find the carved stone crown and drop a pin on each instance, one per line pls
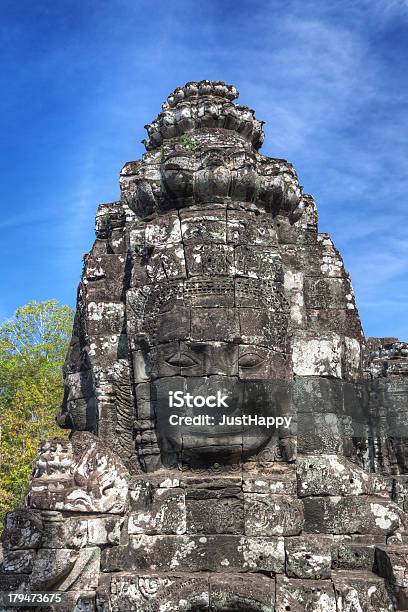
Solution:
(203, 150)
(203, 104)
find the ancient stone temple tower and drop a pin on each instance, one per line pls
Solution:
(209, 279)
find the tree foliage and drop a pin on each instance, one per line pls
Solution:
(33, 345)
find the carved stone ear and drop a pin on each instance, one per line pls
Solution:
(63, 419)
(297, 212)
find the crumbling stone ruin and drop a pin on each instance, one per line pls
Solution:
(209, 275)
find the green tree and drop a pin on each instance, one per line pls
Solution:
(33, 345)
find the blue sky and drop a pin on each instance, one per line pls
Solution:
(80, 79)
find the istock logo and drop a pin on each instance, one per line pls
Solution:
(177, 399)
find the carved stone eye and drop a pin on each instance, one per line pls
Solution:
(250, 360)
(181, 360)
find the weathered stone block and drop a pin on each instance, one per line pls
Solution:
(104, 277)
(263, 554)
(209, 259)
(163, 231)
(293, 282)
(343, 515)
(298, 595)
(141, 487)
(151, 592)
(104, 530)
(323, 260)
(79, 384)
(352, 357)
(313, 394)
(246, 228)
(160, 263)
(355, 552)
(18, 561)
(360, 591)
(319, 356)
(219, 324)
(334, 475)
(268, 514)
(104, 318)
(156, 553)
(175, 325)
(219, 512)
(13, 583)
(73, 601)
(320, 433)
(64, 532)
(144, 304)
(22, 529)
(391, 562)
(154, 364)
(209, 292)
(257, 293)
(400, 491)
(308, 556)
(212, 459)
(144, 408)
(157, 510)
(81, 414)
(108, 217)
(356, 400)
(258, 326)
(66, 570)
(258, 262)
(119, 241)
(205, 226)
(221, 553)
(107, 348)
(340, 321)
(279, 479)
(327, 293)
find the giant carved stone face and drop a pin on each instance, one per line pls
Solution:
(209, 318)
